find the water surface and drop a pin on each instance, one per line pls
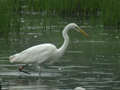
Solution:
(92, 63)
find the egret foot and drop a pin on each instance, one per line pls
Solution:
(21, 70)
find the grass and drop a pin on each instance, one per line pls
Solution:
(107, 11)
(6, 7)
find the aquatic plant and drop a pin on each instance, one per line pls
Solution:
(103, 11)
(106, 11)
(5, 16)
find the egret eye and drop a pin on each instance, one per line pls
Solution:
(77, 29)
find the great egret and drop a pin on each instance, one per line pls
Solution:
(47, 52)
(79, 88)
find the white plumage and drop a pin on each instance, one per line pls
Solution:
(44, 52)
(35, 54)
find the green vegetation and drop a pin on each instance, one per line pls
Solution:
(107, 12)
(5, 16)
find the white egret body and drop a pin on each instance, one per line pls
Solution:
(44, 52)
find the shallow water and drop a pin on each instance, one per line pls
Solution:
(92, 62)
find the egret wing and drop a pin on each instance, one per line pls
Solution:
(36, 54)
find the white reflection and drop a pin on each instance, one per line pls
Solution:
(32, 87)
(79, 88)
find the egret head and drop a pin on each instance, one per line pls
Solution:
(73, 26)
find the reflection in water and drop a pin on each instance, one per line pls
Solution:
(32, 87)
(79, 88)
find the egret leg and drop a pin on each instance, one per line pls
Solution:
(38, 69)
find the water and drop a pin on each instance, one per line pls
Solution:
(92, 63)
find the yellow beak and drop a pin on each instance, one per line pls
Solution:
(83, 32)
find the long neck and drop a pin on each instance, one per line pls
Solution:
(66, 41)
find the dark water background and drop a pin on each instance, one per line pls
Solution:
(91, 62)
